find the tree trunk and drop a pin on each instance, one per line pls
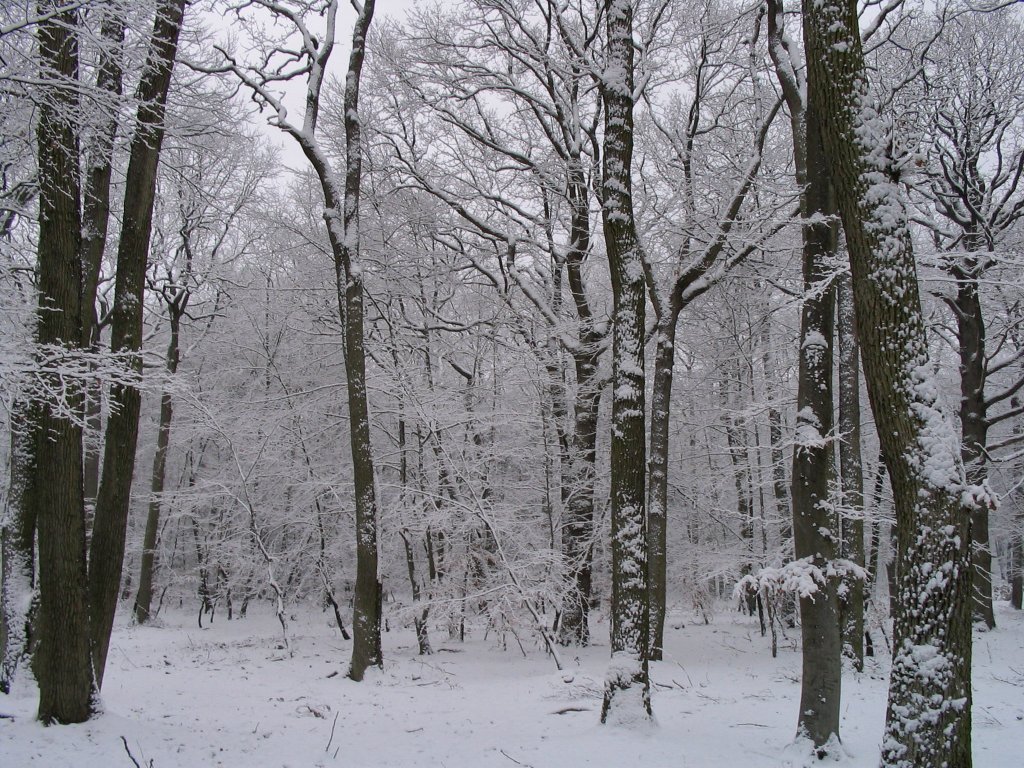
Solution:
(580, 460)
(578, 525)
(815, 525)
(106, 552)
(657, 517)
(974, 423)
(1017, 534)
(851, 471)
(17, 551)
(928, 721)
(55, 491)
(366, 619)
(627, 696)
(99, 158)
(144, 598)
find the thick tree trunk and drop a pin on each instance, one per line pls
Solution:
(928, 721)
(144, 598)
(106, 552)
(851, 471)
(55, 491)
(627, 694)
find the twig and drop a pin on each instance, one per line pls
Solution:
(506, 754)
(328, 747)
(565, 710)
(132, 757)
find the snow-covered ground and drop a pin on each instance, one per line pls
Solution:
(228, 695)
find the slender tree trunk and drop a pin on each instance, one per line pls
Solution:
(815, 525)
(851, 470)
(55, 491)
(106, 552)
(928, 721)
(366, 620)
(17, 551)
(580, 460)
(657, 517)
(736, 448)
(99, 158)
(578, 525)
(627, 695)
(144, 598)
(421, 609)
(974, 424)
(1017, 533)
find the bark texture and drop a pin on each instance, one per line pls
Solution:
(851, 471)
(99, 156)
(815, 523)
(928, 720)
(17, 551)
(55, 491)
(106, 551)
(366, 618)
(627, 686)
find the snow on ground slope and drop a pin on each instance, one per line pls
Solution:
(229, 696)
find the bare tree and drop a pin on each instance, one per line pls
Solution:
(54, 494)
(627, 695)
(928, 721)
(106, 549)
(973, 198)
(341, 215)
(815, 525)
(525, 185)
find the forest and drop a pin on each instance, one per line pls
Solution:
(511, 382)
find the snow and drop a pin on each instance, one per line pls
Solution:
(228, 696)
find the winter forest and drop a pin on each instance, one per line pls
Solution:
(511, 383)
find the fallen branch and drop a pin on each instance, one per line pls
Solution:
(132, 757)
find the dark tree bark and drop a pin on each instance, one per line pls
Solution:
(17, 550)
(657, 518)
(147, 568)
(928, 721)
(106, 551)
(851, 471)
(366, 620)
(55, 492)
(99, 157)
(815, 525)
(580, 457)
(627, 693)
(974, 422)
(1017, 533)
